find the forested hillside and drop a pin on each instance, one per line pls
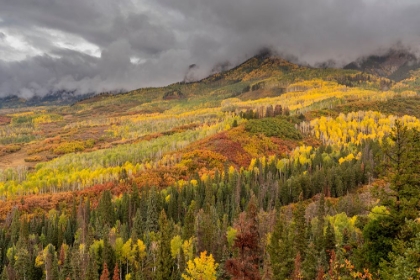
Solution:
(269, 170)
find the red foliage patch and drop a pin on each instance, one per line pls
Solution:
(222, 144)
(284, 145)
(45, 202)
(5, 120)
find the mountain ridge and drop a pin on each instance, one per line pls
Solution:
(395, 65)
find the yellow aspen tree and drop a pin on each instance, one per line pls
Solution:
(202, 268)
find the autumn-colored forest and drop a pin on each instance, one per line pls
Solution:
(269, 170)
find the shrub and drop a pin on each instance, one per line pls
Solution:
(69, 147)
(12, 149)
(33, 159)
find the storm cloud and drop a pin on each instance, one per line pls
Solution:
(104, 45)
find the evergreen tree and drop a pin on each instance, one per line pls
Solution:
(66, 270)
(330, 241)
(166, 263)
(188, 229)
(23, 265)
(207, 225)
(404, 258)
(280, 250)
(402, 200)
(108, 254)
(403, 170)
(51, 263)
(152, 211)
(15, 226)
(137, 230)
(300, 228)
(319, 229)
(310, 264)
(106, 213)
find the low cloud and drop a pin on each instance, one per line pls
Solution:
(104, 45)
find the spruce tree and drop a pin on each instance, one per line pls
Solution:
(189, 220)
(402, 199)
(66, 270)
(310, 264)
(106, 213)
(108, 254)
(273, 247)
(166, 263)
(23, 265)
(280, 250)
(319, 229)
(330, 241)
(299, 225)
(152, 211)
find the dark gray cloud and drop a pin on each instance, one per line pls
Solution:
(102, 45)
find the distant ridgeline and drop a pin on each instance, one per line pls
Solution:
(56, 98)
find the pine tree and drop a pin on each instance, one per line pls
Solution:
(66, 270)
(137, 229)
(106, 213)
(300, 228)
(274, 246)
(207, 227)
(330, 241)
(165, 262)
(15, 226)
(403, 170)
(108, 254)
(152, 211)
(319, 230)
(310, 264)
(188, 229)
(23, 264)
(280, 250)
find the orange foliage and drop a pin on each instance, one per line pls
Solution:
(42, 203)
(224, 145)
(202, 158)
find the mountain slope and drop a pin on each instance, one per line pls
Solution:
(395, 64)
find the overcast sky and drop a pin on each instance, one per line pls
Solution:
(103, 45)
